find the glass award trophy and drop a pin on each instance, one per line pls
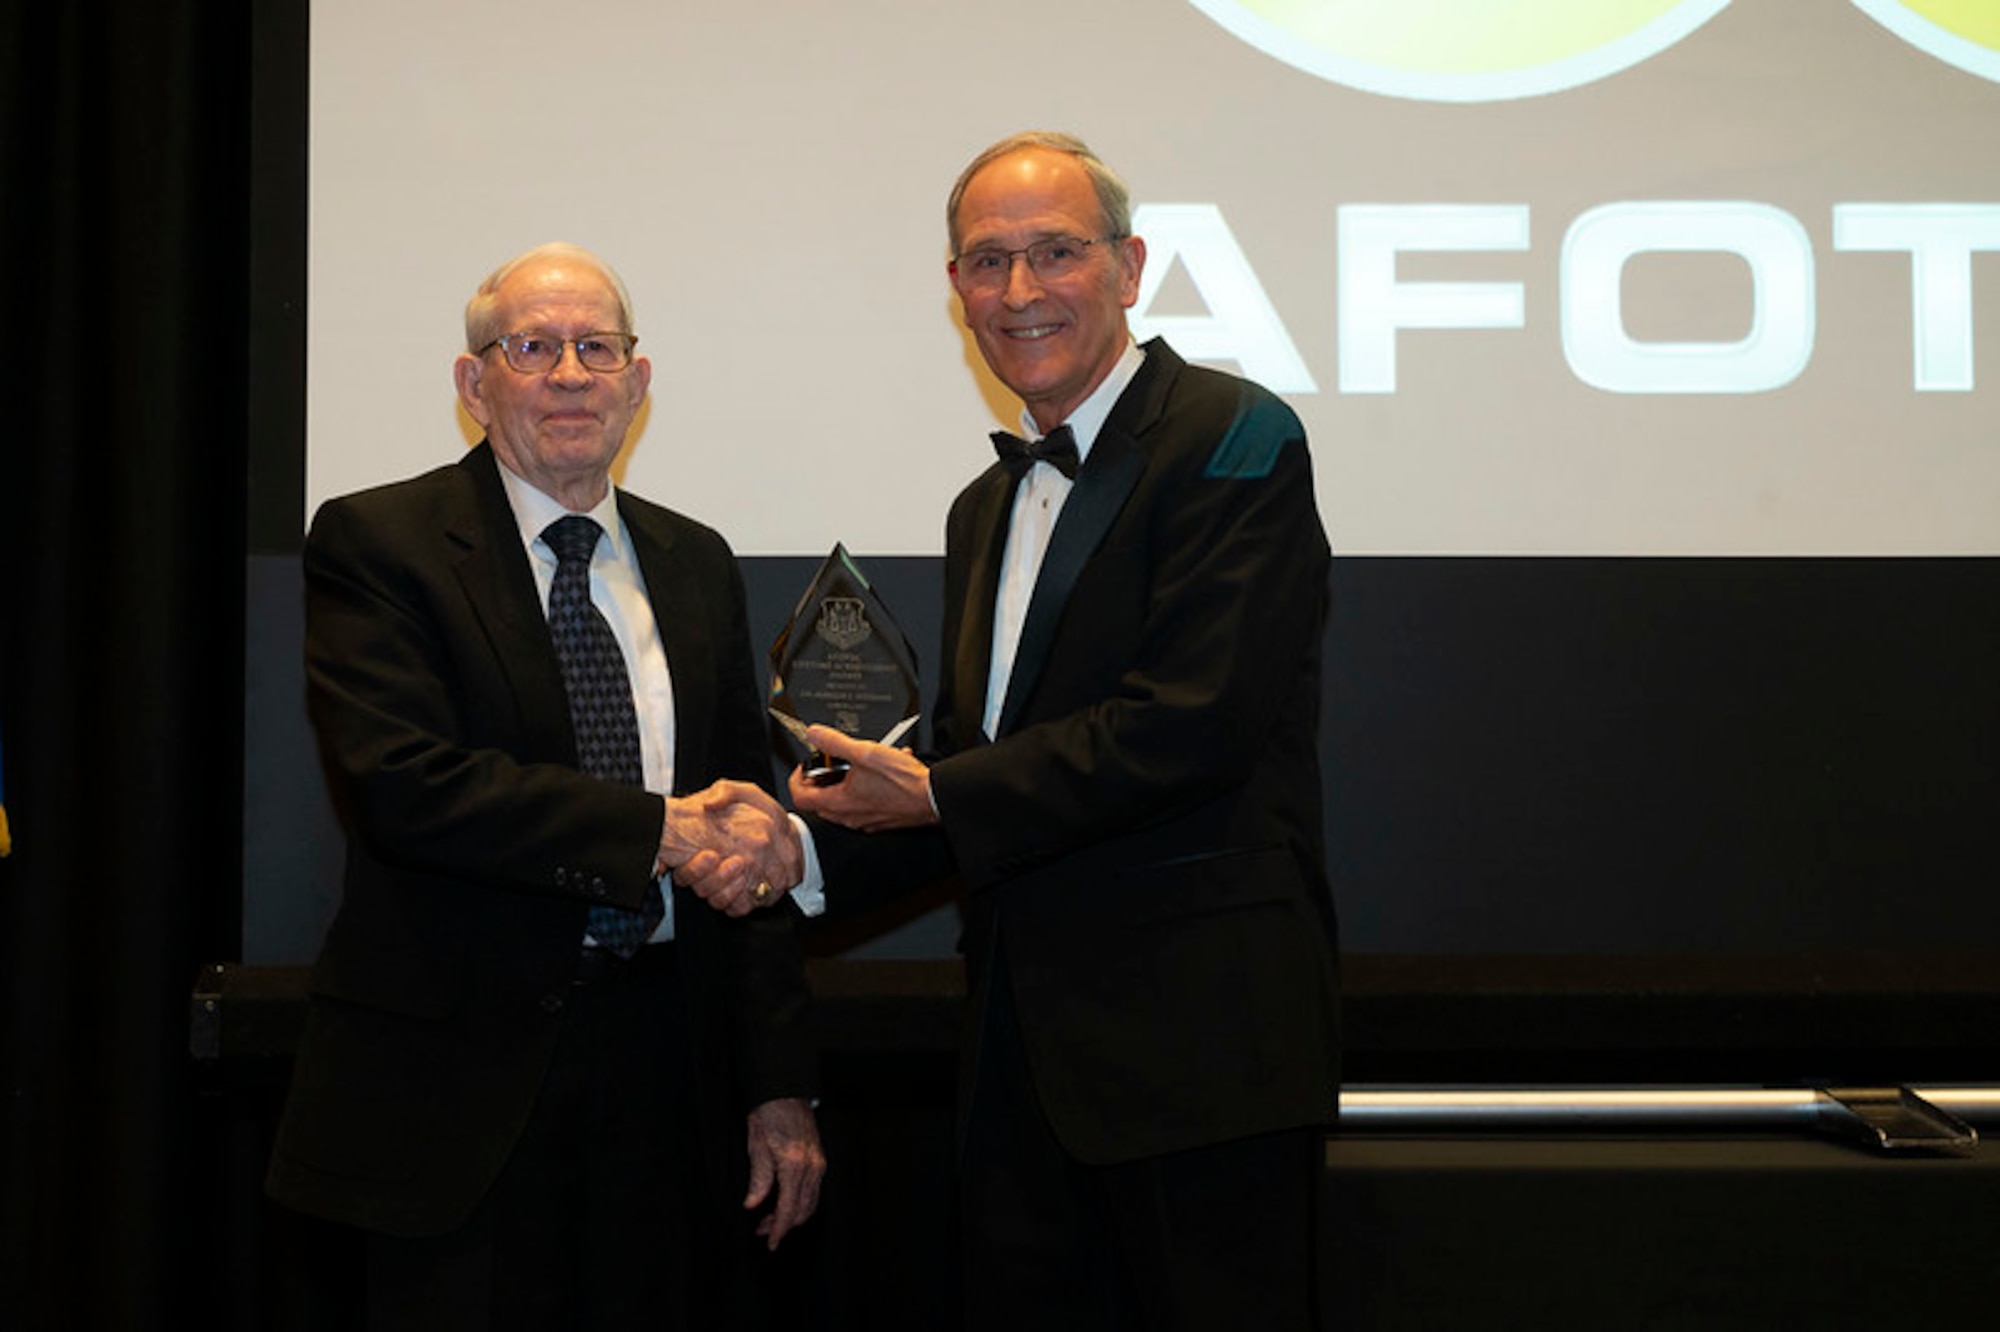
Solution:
(842, 661)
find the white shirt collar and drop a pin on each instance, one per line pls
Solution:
(1090, 415)
(534, 511)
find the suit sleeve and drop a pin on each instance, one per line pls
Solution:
(1187, 648)
(415, 712)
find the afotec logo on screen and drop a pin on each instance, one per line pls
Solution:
(1965, 33)
(1450, 51)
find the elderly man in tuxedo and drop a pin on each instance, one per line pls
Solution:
(531, 1058)
(1125, 775)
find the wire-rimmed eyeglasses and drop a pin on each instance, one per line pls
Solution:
(1052, 259)
(536, 353)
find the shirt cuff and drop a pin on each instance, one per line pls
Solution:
(810, 894)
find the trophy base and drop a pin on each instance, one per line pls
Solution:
(823, 771)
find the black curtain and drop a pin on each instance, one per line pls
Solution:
(124, 207)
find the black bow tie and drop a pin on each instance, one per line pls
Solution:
(1057, 449)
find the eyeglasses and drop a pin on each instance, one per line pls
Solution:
(990, 267)
(536, 353)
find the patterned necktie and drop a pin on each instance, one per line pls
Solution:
(600, 705)
(1057, 449)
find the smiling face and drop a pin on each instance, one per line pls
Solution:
(558, 430)
(1052, 341)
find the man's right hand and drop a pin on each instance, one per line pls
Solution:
(732, 845)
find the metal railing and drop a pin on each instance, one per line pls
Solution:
(1888, 1118)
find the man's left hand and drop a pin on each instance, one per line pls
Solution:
(884, 788)
(785, 1154)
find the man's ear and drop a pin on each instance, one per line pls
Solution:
(466, 373)
(1132, 261)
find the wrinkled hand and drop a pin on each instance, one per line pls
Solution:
(785, 1152)
(884, 788)
(733, 846)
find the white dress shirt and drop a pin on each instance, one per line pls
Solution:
(618, 590)
(1038, 502)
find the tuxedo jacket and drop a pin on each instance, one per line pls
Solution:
(476, 847)
(1142, 843)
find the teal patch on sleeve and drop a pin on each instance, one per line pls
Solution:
(1250, 448)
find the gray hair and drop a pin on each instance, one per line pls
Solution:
(482, 312)
(1112, 196)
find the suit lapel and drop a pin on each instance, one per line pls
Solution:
(1100, 492)
(680, 614)
(972, 662)
(1117, 460)
(493, 572)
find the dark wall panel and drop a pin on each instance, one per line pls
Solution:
(1554, 757)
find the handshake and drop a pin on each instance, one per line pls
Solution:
(736, 848)
(732, 846)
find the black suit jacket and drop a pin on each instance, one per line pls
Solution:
(1142, 844)
(476, 847)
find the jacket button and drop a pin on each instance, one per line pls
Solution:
(562, 877)
(552, 1003)
(598, 889)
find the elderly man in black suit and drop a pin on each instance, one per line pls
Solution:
(1126, 778)
(530, 1058)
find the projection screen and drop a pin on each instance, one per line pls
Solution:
(1541, 276)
